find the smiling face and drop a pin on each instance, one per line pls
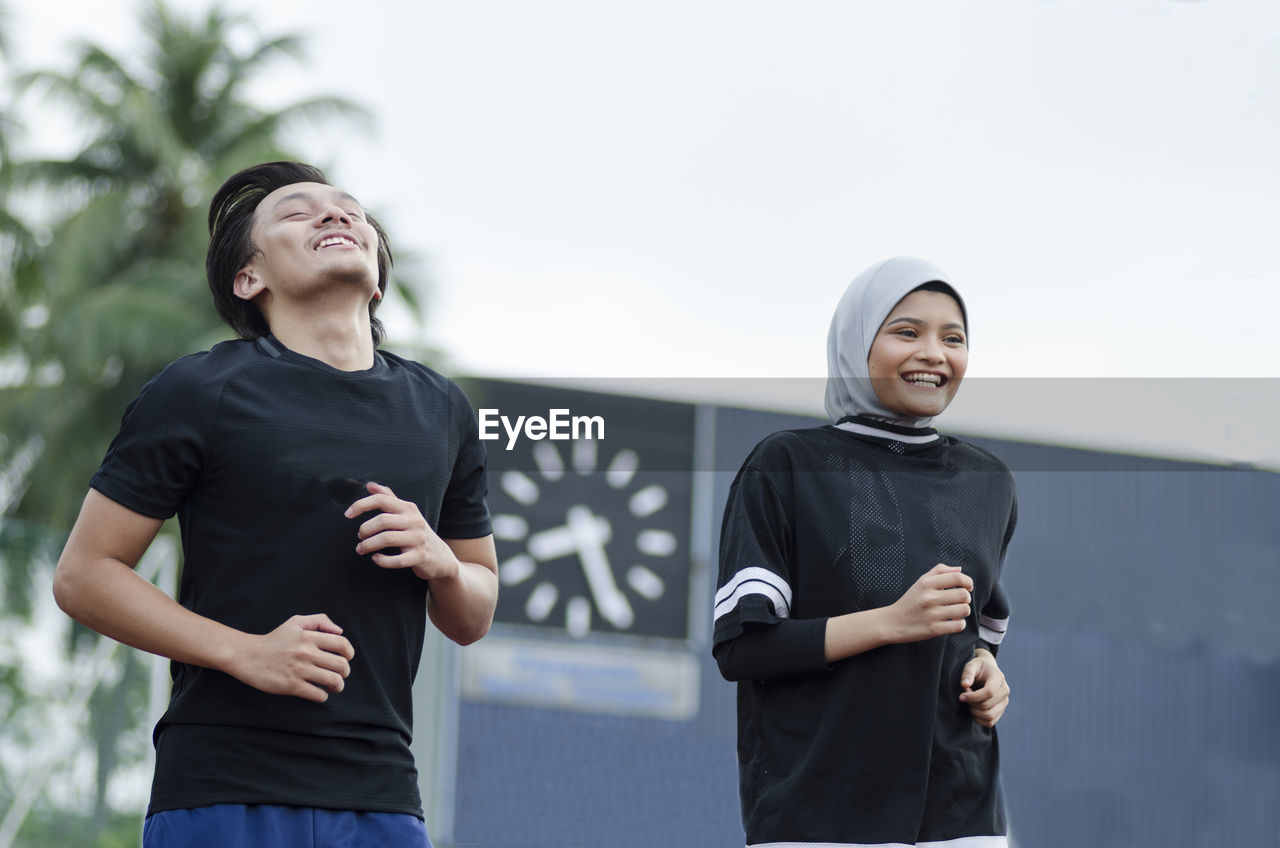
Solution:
(309, 235)
(919, 355)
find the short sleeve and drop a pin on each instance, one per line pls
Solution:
(464, 513)
(993, 618)
(754, 585)
(159, 451)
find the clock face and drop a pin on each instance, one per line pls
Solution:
(593, 534)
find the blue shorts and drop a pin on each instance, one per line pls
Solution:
(269, 826)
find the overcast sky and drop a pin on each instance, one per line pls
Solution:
(675, 189)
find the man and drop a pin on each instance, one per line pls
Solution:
(331, 498)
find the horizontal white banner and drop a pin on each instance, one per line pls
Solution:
(582, 678)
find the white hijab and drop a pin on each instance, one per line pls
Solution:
(866, 303)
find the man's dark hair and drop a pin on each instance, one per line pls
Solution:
(231, 244)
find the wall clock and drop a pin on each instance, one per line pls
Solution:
(593, 535)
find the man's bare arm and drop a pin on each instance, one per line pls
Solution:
(463, 573)
(95, 583)
(463, 608)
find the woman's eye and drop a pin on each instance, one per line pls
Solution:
(906, 332)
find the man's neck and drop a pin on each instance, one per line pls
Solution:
(343, 342)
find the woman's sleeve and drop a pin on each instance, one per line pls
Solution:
(993, 618)
(755, 636)
(791, 646)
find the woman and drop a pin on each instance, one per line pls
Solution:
(859, 603)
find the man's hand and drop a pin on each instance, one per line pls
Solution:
(400, 524)
(985, 689)
(307, 657)
(935, 605)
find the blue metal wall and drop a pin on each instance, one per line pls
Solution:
(1144, 656)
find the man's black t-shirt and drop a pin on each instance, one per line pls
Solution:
(875, 748)
(259, 451)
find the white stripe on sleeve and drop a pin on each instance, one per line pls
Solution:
(992, 629)
(754, 581)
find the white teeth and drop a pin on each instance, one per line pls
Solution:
(923, 379)
(332, 240)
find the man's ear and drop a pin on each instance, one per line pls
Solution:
(246, 284)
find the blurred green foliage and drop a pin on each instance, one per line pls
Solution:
(52, 828)
(111, 288)
(101, 285)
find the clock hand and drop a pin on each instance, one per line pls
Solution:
(552, 544)
(562, 541)
(590, 534)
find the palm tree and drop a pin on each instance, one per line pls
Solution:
(13, 235)
(119, 291)
(109, 286)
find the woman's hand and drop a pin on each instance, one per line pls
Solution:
(985, 689)
(936, 604)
